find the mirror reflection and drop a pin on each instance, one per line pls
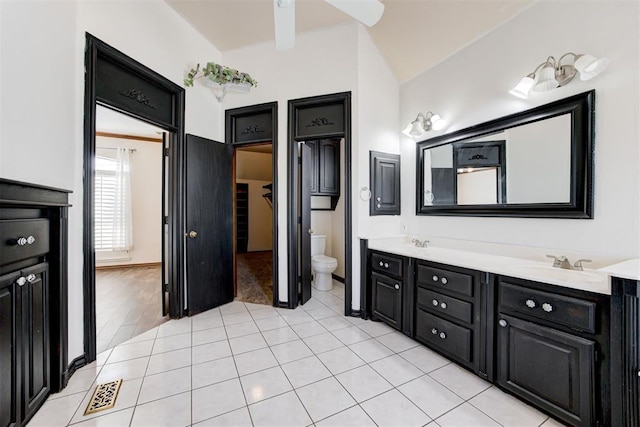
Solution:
(526, 164)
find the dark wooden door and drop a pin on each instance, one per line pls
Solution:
(385, 183)
(209, 224)
(329, 167)
(9, 350)
(35, 338)
(164, 285)
(550, 368)
(305, 222)
(387, 299)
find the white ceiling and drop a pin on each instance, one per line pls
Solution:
(111, 121)
(413, 35)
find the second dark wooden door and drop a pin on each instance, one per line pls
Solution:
(305, 223)
(209, 224)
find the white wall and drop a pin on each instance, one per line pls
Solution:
(42, 86)
(472, 87)
(252, 165)
(260, 217)
(327, 61)
(146, 199)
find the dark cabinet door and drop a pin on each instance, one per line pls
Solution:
(387, 299)
(550, 368)
(313, 168)
(329, 167)
(35, 339)
(9, 350)
(385, 183)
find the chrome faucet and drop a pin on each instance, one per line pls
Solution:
(420, 243)
(563, 262)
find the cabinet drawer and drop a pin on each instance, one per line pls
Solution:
(443, 334)
(572, 312)
(23, 239)
(387, 264)
(440, 279)
(439, 303)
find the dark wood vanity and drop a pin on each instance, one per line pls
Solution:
(549, 345)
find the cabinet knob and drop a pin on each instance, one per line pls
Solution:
(435, 302)
(21, 281)
(502, 323)
(21, 241)
(379, 198)
(31, 240)
(444, 281)
(435, 278)
(531, 303)
(397, 286)
(443, 305)
(381, 263)
(31, 278)
(386, 265)
(547, 307)
(442, 335)
(378, 205)
(434, 331)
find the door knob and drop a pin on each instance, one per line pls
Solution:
(310, 231)
(192, 234)
(502, 323)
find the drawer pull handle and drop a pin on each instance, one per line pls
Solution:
(434, 331)
(442, 335)
(21, 241)
(443, 305)
(381, 263)
(397, 286)
(31, 278)
(378, 206)
(502, 323)
(547, 307)
(444, 281)
(435, 278)
(531, 303)
(31, 240)
(21, 281)
(386, 265)
(435, 302)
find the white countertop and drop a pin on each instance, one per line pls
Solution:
(629, 269)
(590, 280)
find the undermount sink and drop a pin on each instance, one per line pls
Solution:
(549, 272)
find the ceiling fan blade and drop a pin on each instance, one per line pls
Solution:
(368, 12)
(284, 19)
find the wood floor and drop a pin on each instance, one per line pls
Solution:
(127, 304)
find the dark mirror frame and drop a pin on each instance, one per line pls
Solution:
(582, 110)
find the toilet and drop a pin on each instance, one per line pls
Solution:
(321, 265)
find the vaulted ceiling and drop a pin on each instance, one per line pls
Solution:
(413, 35)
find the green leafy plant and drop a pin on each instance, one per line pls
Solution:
(219, 74)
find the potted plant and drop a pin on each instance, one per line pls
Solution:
(218, 75)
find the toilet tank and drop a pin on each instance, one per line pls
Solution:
(317, 244)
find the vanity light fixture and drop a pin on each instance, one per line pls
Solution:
(423, 124)
(552, 74)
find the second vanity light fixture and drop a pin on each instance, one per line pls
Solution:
(552, 74)
(423, 124)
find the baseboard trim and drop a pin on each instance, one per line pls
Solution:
(283, 304)
(338, 278)
(144, 264)
(356, 313)
(75, 364)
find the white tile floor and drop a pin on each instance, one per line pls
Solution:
(247, 364)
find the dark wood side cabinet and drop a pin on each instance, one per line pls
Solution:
(384, 169)
(33, 298)
(325, 173)
(625, 352)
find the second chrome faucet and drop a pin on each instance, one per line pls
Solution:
(563, 262)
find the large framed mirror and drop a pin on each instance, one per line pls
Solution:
(535, 163)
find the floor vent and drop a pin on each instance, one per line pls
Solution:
(104, 397)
